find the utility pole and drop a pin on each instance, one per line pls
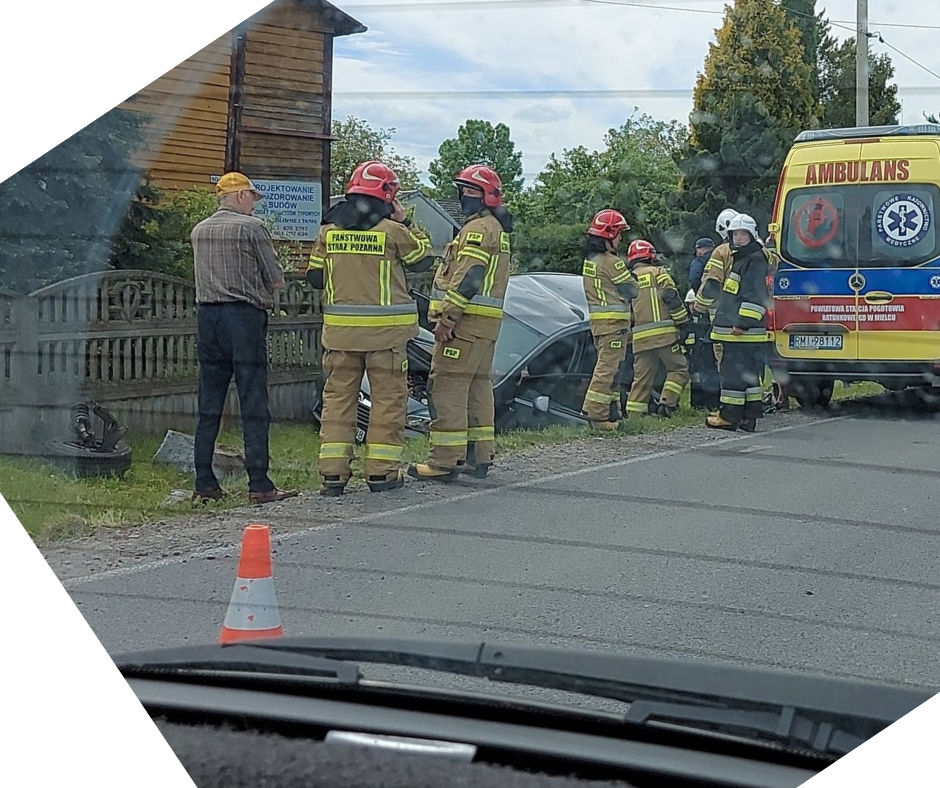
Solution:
(861, 63)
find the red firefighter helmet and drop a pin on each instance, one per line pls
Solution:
(479, 176)
(374, 179)
(640, 250)
(608, 224)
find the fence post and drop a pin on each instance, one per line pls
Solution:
(24, 375)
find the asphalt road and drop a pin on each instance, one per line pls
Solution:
(813, 548)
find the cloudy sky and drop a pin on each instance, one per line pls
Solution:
(567, 70)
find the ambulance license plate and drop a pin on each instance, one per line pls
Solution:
(815, 342)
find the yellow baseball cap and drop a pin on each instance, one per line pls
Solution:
(233, 182)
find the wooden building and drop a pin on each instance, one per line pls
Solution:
(257, 100)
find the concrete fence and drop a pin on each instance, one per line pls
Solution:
(128, 340)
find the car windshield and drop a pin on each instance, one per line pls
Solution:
(547, 323)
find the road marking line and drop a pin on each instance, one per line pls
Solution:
(415, 507)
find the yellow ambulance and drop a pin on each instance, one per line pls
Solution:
(856, 295)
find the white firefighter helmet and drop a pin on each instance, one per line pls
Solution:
(744, 222)
(721, 223)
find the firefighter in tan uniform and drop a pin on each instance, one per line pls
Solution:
(608, 288)
(467, 308)
(716, 269)
(660, 328)
(359, 261)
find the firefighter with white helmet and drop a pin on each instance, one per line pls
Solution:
(609, 288)
(467, 308)
(359, 261)
(740, 324)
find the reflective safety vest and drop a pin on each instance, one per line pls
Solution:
(366, 303)
(461, 296)
(608, 311)
(657, 310)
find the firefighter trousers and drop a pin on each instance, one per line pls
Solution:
(742, 367)
(460, 399)
(645, 365)
(387, 371)
(603, 389)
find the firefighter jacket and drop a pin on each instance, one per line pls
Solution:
(470, 284)
(609, 288)
(658, 310)
(716, 269)
(366, 303)
(743, 298)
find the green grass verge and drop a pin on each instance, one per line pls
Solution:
(856, 390)
(53, 505)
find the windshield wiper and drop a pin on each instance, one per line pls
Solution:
(236, 658)
(826, 716)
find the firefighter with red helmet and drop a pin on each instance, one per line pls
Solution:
(609, 289)
(359, 259)
(467, 309)
(660, 327)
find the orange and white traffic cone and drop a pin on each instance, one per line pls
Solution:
(253, 613)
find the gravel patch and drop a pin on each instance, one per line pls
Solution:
(118, 548)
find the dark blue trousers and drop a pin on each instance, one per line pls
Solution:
(232, 341)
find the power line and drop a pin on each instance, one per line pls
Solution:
(501, 95)
(477, 5)
(655, 7)
(902, 54)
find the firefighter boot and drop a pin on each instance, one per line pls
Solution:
(605, 426)
(332, 487)
(667, 411)
(748, 425)
(387, 483)
(471, 467)
(716, 422)
(427, 472)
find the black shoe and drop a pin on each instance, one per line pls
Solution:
(748, 425)
(667, 411)
(332, 487)
(477, 471)
(204, 496)
(384, 484)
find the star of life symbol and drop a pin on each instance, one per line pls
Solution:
(903, 220)
(783, 283)
(935, 282)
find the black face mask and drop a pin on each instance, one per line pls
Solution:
(751, 246)
(470, 205)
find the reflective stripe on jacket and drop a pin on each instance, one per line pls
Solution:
(473, 310)
(366, 303)
(657, 310)
(608, 311)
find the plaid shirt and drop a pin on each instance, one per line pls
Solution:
(235, 260)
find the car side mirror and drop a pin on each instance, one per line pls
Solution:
(541, 404)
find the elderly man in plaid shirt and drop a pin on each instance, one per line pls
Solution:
(237, 274)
